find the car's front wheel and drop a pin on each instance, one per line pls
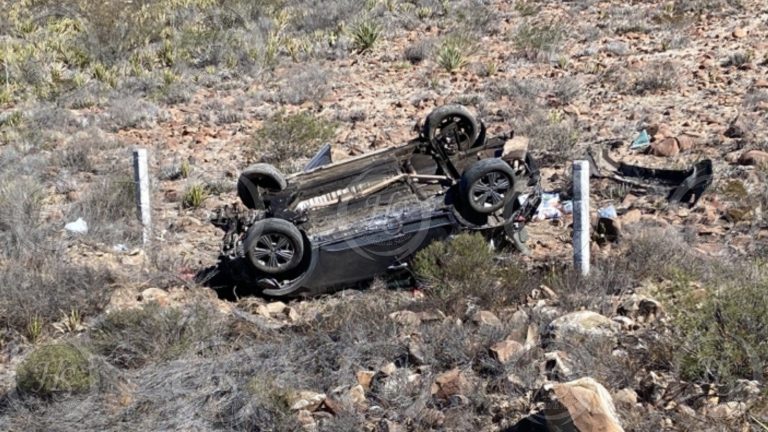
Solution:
(274, 246)
(486, 185)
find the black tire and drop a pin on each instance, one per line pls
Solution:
(274, 246)
(486, 185)
(257, 176)
(452, 127)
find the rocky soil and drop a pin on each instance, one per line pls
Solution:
(608, 352)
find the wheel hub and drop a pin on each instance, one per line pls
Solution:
(274, 251)
(489, 190)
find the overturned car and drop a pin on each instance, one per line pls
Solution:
(336, 224)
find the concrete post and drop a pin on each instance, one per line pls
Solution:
(581, 217)
(141, 179)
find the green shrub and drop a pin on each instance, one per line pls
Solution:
(285, 137)
(365, 34)
(451, 56)
(194, 196)
(464, 268)
(58, 368)
(723, 328)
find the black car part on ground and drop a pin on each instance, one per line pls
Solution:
(680, 186)
(310, 232)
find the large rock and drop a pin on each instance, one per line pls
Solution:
(486, 318)
(754, 157)
(584, 404)
(306, 400)
(450, 383)
(667, 147)
(505, 350)
(581, 325)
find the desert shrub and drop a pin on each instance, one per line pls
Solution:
(75, 158)
(463, 269)
(286, 137)
(131, 338)
(365, 34)
(452, 53)
(308, 83)
(722, 329)
(109, 208)
(553, 136)
(419, 51)
(537, 41)
(194, 196)
(57, 368)
(131, 113)
(657, 77)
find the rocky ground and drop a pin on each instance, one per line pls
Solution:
(666, 334)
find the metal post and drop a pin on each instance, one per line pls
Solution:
(141, 177)
(581, 216)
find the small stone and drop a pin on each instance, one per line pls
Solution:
(155, 295)
(632, 216)
(685, 142)
(727, 410)
(388, 369)
(364, 378)
(626, 396)
(306, 400)
(761, 83)
(406, 318)
(293, 314)
(739, 33)
(754, 157)
(505, 350)
(306, 420)
(356, 396)
(486, 318)
(668, 147)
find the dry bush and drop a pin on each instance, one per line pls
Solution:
(308, 83)
(109, 208)
(132, 338)
(35, 283)
(553, 136)
(284, 138)
(657, 77)
(538, 41)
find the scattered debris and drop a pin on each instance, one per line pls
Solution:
(79, 226)
(680, 186)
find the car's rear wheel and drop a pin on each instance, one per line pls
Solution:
(487, 184)
(452, 127)
(261, 175)
(274, 246)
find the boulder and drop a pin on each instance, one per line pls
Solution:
(486, 318)
(306, 400)
(364, 378)
(581, 325)
(583, 403)
(667, 147)
(505, 350)
(686, 142)
(754, 157)
(155, 295)
(450, 383)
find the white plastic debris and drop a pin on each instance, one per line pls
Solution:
(607, 212)
(549, 208)
(77, 227)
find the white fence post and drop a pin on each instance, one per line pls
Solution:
(141, 177)
(581, 222)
